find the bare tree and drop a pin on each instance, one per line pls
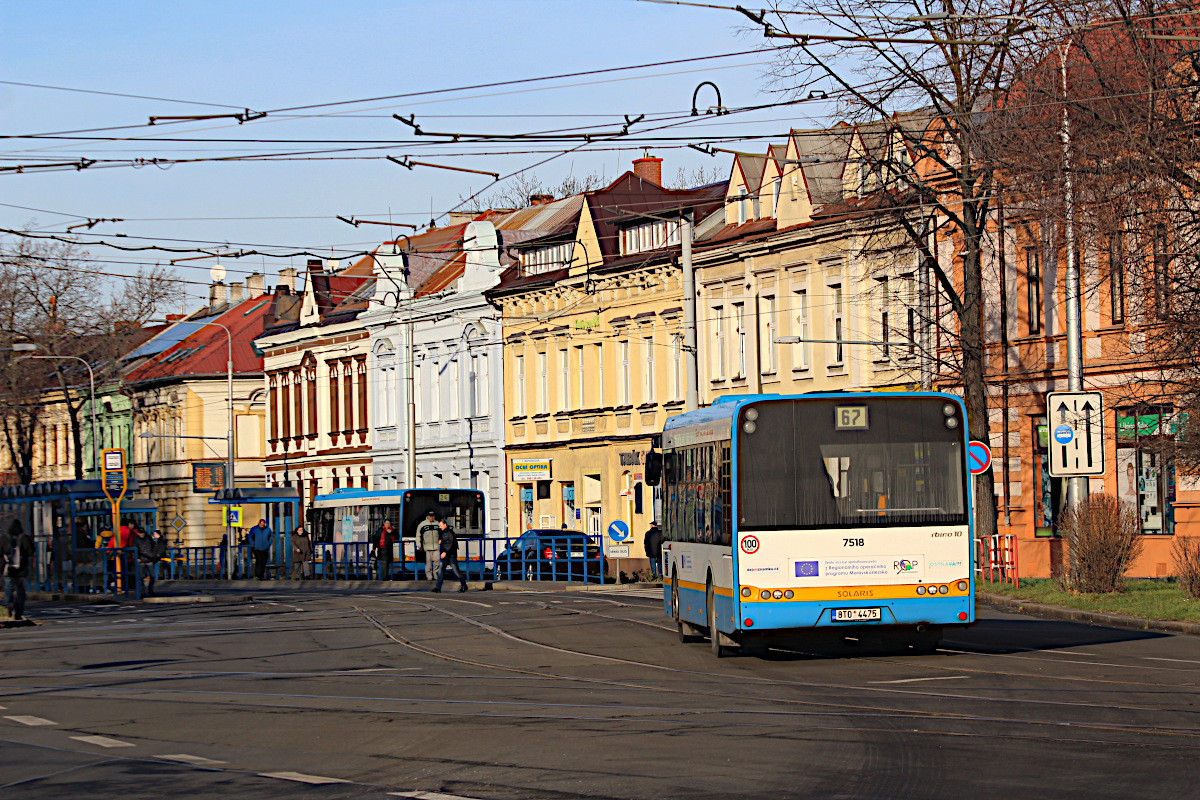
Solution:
(53, 297)
(518, 191)
(948, 64)
(697, 176)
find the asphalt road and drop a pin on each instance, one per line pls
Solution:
(569, 695)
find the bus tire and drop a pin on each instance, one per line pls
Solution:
(719, 650)
(685, 629)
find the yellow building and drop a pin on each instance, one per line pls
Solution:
(593, 356)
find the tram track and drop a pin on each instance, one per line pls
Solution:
(387, 631)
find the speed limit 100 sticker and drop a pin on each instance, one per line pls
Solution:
(749, 545)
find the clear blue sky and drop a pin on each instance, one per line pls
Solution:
(268, 55)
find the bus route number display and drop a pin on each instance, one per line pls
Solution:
(850, 418)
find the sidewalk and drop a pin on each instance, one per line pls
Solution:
(1099, 618)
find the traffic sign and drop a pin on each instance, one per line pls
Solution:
(178, 523)
(618, 551)
(113, 481)
(618, 530)
(1077, 448)
(979, 457)
(234, 516)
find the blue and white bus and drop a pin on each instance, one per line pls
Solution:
(843, 515)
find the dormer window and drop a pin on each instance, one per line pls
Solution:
(538, 260)
(651, 235)
(864, 178)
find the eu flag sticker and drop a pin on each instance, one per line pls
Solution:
(807, 569)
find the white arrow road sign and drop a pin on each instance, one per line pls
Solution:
(1076, 439)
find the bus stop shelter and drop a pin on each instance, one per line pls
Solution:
(282, 512)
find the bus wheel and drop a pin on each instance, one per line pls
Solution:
(714, 635)
(687, 632)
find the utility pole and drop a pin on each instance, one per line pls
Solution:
(692, 392)
(1077, 487)
(410, 404)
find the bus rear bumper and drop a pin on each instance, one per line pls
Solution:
(757, 617)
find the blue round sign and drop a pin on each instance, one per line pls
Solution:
(1063, 434)
(618, 531)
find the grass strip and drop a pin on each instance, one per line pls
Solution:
(1149, 599)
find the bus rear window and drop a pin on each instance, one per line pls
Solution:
(799, 468)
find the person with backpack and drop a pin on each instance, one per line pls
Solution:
(16, 554)
(448, 552)
(384, 543)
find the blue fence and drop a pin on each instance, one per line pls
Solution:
(573, 558)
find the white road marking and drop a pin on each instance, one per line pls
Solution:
(1176, 660)
(102, 741)
(31, 721)
(916, 680)
(300, 777)
(429, 796)
(471, 602)
(186, 759)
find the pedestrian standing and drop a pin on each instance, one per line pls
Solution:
(150, 551)
(429, 538)
(302, 553)
(448, 551)
(16, 554)
(385, 541)
(653, 545)
(260, 538)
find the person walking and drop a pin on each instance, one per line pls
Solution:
(16, 554)
(260, 539)
(653, 545)
(385, 541)
(448, 552)
(302, 553)
(151, 548)
(429, 537)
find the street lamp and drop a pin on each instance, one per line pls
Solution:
(229, 434)
(31, 347)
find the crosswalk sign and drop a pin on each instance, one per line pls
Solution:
(233, 516)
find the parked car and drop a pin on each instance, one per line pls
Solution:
(550, 555)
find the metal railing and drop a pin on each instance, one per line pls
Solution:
(998, 559)
(116, 571)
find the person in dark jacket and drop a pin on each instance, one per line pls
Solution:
(16, 556)
(151, 549)
(653, 545)
(260, 539)
(302, 553)
(384, 542)
(448, 550)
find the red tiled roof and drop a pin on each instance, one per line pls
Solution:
(204, 353)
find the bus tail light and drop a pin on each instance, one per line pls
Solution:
(749, 623)
(962, 615)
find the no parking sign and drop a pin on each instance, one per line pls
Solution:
(979, 457)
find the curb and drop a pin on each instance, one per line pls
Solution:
(1103, 619)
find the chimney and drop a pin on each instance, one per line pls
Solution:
(648, 168)
(235, 292)
(216, 294)
(316, 265)
(254, 284)
(287, 278)
(541, 199)
(175, 317)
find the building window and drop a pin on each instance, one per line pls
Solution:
(1033, 283)
(564, 381)
(884, 312)
(766, 336)
(479, 385)
(311, 418)
(362, 396)
(418, 392)
(579, 376)
(677, 367)
(838, 317)
(910, 309)
(1162, 272)
(547, 259)
(600, 374)
(519, 398)
(435, 392)
(648, 383)
(347, 398)
(803, 348)
(652, 235)
(452, 389)
(1116, 277)
(739, 317)
(719, 351)
(776, 185)
(741, 206)
(543, 383)
(625, 388)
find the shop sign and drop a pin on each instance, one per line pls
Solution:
(632, 458)
(1143, 425)
(587, 323)
(526, 470)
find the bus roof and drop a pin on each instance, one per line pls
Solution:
(378, 495)
(725, 407)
